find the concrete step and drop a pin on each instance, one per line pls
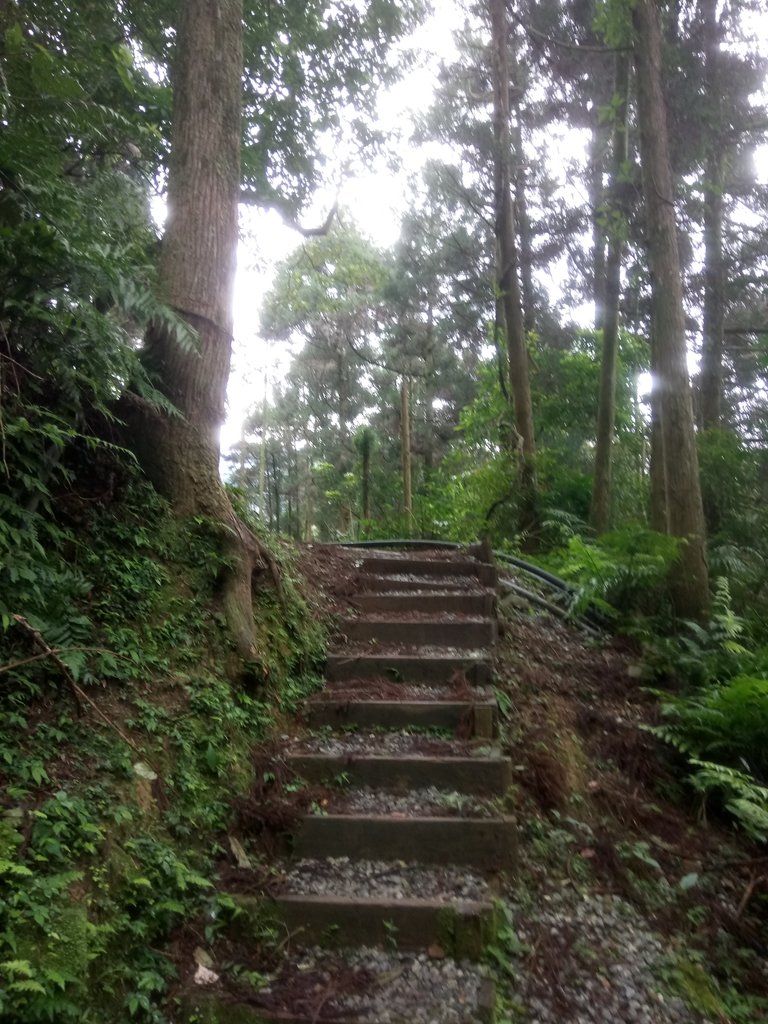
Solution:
(386, 565)
(436, 602)
(459, 632)
(486, 776)
(430, 667)
(488, 844)
(470, 718)
(372, 584)
(461, 929)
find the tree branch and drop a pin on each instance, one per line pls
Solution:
(251, 198)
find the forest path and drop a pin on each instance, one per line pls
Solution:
(395, 873)
(403, 898)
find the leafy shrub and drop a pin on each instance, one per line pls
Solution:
(727, 722)
(624, 573)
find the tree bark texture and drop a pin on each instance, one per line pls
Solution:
(180, 453)
(507, 272)
(689, 582)
(198, 256)
(600, 510)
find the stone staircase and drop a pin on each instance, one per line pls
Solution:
(404, 733)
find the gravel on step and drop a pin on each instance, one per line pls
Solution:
(382, 688)
(386, 743)
(378, 879)
(592, 959)
(418, 616)
(469, 584)
(427, 802)
(359, 649)
(414, 988)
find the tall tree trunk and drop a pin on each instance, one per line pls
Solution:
(657, 514)
(366, 483)
(711, 378)
(507, 274)
(429, 426)
(263, 454)
(180, 454)
(689, 579)
(276, 488)
(602, 491)
(523, 221)
(597, 160)
(198, 256)
(405, 447)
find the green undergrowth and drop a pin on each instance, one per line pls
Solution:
(121, 753)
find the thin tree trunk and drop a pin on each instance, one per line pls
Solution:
(405, 447)
(366, 485)
(508, 282)
(523, 222)
(689, 580)
(429, 427)
(263, 451)
(711, 379)
(276, 487)
(262, 472)
(308, 502)
(596, 200)
(602, 490)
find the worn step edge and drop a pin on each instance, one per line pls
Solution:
(491, 776)
(457, 601)
(215, 1008)
(474, 633)
(486, 843)
(370, 583)
(483, 571)
(408, 667)
(462, 928)
(479, 717)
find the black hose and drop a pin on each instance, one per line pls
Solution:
(534, 570)
(554, 609)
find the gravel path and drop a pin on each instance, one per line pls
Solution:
(591, 959)
(416, 988)
(376, 879)
(399, 988)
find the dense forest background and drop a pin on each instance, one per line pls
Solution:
(566, 351)
(400, 413)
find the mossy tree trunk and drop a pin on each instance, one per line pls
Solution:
(197, 270)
